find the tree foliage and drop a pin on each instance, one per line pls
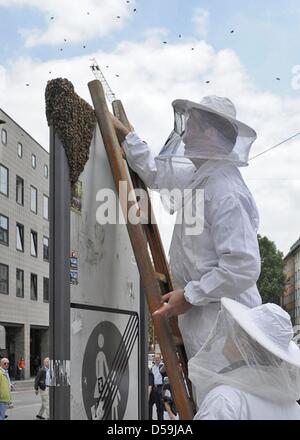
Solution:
(272, 278)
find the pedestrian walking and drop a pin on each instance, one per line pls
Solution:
(170, 411)
(5, 389)
(157, 388)
(41, 385)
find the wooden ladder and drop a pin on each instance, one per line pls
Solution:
(149, 253)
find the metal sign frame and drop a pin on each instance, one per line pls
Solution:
(59, 253)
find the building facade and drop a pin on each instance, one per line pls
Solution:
(24, 247)
(291, 295)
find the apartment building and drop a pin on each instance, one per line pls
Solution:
(24, 246)
(291, 295)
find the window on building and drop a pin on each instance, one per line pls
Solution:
(4, 136)
(33, 161)
(4, 180)
(46, 171)
(20, 149)
(46, 248)
(46, 207)
(3, 229)
(20, 283)
(4, 279)
(33, 243)
(20, 237)
(20, 190)
(46, 290)
(33, 287)
(33, 199)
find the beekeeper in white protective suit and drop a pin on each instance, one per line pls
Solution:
(249, 367)
(204, 151)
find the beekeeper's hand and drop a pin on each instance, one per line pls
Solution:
(176, 305)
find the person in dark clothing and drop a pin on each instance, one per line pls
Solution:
(150, 389)
(170, 411)
(41, 386)
(36, 363)
(150, 381)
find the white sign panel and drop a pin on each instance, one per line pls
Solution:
(103, 269)
(105, 303)
(105, 346)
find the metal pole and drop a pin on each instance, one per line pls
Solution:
(143, 356)
(59, 248)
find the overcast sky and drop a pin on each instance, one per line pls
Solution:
(243, 65)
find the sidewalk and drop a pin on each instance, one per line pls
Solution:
(20, 385)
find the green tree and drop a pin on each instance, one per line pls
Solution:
(272, 278)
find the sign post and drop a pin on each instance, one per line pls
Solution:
(59, 248)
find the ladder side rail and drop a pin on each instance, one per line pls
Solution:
(151, 229)
(156, 247)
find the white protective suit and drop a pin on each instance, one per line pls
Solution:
(224, 259)
(249, 367)
(228, 403)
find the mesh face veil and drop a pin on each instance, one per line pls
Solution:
(232, 357)
(203, 132)
(207, 132)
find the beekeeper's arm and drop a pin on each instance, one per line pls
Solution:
(225, 404)
(235, 239)
(138, 154)
(140, 159)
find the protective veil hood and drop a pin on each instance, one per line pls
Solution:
(203, 133)
(250, 350)
(208, 130)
